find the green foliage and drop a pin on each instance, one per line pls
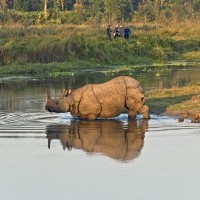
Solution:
(158, 53)
(13, 16)
(187, 45)
(168, 11)
(69, 17)
(88, 46)
(98, 11)
(5, 57)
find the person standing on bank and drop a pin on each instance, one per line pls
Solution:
(121, 31)
(109, 32)
(116, 32)
(127, 32)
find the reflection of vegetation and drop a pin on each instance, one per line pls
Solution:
(176, 100)
(113, 138)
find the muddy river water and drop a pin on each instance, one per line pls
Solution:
(53, 156)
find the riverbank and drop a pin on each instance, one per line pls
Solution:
(59, 49)
(183, 102)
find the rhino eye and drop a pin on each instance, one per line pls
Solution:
(56, 103)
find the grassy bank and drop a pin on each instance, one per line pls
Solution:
(62, 48)
(184, 101)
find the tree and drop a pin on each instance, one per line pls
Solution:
(35, 5)
(70, 4)
(56, 5)
(111, 10)
(95, 10)
(62, 4)
(126, 10)
(45, 7)
(135, 4)
(3, 5)
(119, 11)
(79, 10)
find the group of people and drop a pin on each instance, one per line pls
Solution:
(118, 31)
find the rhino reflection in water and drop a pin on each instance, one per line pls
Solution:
(109, 137)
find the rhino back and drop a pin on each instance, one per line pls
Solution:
(132, 83)
(111, 96)
(77, 93)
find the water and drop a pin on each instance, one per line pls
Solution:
(53, 156)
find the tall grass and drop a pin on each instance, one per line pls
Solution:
(68, 43)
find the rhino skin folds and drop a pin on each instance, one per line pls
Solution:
(103, 100)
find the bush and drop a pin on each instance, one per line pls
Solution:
(158, 53)
(5, 57)
(13, 16)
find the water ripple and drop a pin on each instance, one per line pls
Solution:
(24, 118)
(23, 124)
(27, 125)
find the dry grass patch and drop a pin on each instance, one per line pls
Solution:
(174, 100)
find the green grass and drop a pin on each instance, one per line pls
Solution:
(46, 70)
(61, 48)
(192, 56)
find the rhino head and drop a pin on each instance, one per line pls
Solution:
(141, 107)
(144, 111)
(60, 105)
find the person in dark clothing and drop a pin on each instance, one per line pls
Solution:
(109, 32)
(127, 32)
(116, 32)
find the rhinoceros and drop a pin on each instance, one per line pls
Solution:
(103, 100)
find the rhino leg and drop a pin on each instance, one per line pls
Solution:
(89, 106)
(130, 105)
(74, 110)
(91, 116)
(132, 114)
(134, 107)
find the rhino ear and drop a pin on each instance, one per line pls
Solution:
(65, 93)
(69, 91)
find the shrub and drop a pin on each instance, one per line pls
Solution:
(158, 53)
